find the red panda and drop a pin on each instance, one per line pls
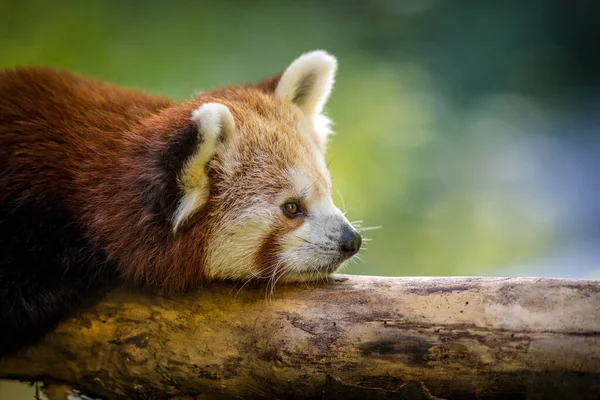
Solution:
(100, 184)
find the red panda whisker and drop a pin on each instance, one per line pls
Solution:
(304, 190)
(246, 282)
(273, 280)
(321, 278)
(305, 240)
(276, 280)
(359, 258)
(343, 202)
(253, 277)
(280, 275)
(370, 228)
(330, 160)
(342, 267)
(271, 283)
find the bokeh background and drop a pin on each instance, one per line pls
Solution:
(468, 130)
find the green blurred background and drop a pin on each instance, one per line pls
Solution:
(468, 130)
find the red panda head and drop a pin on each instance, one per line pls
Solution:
(260, 167)
(253, 194)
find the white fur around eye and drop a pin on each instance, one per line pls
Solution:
(214, 121)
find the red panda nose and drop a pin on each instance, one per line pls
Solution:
(350, 242)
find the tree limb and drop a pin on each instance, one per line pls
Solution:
(357, 337)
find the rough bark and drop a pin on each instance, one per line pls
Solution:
(357, 337)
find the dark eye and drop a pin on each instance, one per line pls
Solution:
(291, 209)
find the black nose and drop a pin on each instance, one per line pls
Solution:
(350, 242)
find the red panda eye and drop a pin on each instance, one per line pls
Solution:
(291, 209)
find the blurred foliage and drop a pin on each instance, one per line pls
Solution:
(446, 112)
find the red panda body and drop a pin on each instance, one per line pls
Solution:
(99, 183)
(60, 135)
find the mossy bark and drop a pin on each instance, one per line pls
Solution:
(356, 337)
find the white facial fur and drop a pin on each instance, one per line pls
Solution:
(307, 253)
(312, 251)
(231, 252)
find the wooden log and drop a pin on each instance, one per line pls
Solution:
(354, 338)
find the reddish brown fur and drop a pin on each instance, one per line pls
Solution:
(88, 143)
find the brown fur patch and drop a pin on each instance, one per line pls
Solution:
(267, 256)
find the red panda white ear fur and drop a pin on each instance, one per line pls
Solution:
(215, 123)
(307, 82)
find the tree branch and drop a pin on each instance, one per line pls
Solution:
(357, 337)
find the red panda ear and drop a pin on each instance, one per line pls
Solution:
(214, 124)
(308, 81)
